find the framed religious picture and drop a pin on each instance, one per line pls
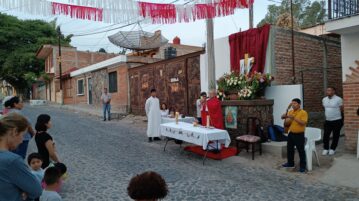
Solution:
(231, 117)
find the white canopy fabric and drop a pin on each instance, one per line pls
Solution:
(138, 40)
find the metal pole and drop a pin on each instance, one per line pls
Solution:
(251, 16)
(330, 9)
(293, 55)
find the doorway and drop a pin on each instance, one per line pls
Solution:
(89, 88)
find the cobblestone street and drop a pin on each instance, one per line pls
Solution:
(103, 156)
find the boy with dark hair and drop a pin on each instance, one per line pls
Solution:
(148, 186)
(296, 138)
(153, 113)
(199, 105)
(52, 180)
(35, 162)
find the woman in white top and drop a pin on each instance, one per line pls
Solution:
(164, 110)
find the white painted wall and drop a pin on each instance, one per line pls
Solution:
(222, 56)
(350, 52)
(222, 61)
(282, 96)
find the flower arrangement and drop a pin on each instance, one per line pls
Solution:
(246, 87)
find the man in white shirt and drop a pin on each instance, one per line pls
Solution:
(333, 106)
(199, 105)
(106, 103)
(153, 113)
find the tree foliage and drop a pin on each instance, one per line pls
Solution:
(102, 50)
(19, 42)
(305, 13)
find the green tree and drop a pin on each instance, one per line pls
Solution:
(102, 50)
(19, 42)
(305, 13)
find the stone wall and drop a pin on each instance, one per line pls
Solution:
(261, 109)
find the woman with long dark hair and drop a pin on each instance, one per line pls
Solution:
(44, 141)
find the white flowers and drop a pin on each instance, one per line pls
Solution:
(245, 93)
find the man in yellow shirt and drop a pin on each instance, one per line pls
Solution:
(296, 138)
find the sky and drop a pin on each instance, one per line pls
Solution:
(193, 33)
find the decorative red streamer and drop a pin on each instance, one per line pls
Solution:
(168, 13)
(165, 13)
(78, 12)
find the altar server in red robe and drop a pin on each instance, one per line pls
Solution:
(215, 110)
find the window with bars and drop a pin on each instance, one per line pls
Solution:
(112, 82)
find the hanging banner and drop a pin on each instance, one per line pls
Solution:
(172, 13)
(34, 7)
(78, 12)
(128, 11)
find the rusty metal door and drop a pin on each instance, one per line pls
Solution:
(176, 79)
(134, 89)
(161, 83)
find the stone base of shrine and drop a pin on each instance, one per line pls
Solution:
(236, 113)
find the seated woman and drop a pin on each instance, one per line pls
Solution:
(16, 180)
(164, 110)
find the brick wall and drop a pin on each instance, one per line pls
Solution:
(70, 58)
(119, 100)
(73, 58)
(351, 120)
(311, 55)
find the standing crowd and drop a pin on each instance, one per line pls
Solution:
(42, 176)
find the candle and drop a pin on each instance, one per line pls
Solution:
(208, 119)
(177, 115)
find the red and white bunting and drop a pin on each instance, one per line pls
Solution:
(78, 12)
(127, 11)
(172, 13)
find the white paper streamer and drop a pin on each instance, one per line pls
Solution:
(34, 7)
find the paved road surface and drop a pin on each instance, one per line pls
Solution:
(103, 156)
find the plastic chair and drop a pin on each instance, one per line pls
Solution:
(312, 135)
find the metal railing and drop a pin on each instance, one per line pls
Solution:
(342, 8)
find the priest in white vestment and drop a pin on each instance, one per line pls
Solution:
(153, 113)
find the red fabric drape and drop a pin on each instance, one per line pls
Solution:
(254, 42)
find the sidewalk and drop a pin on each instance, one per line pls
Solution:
(97, 112)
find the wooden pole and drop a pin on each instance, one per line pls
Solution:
(210, 55)
(60, 68)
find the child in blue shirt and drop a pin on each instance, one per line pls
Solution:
(35, 161)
